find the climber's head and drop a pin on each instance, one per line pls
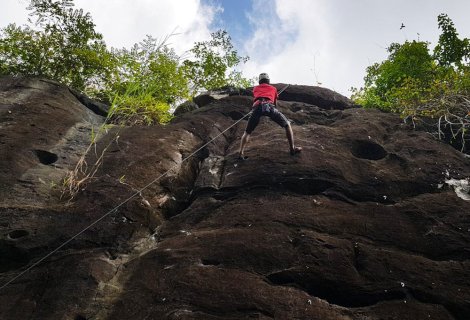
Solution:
(263, 78)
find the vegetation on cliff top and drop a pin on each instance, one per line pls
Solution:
(420, 84)
(142, 82)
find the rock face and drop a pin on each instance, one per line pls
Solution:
(44, 129)
(360, 225)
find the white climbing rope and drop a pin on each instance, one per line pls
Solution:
(120, 204)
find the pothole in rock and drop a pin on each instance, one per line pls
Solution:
(17, 234)
(11, 257)
(46, 157)
(210, 262)
(369, 150)
(235, 115)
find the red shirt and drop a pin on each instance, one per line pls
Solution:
(265, 90)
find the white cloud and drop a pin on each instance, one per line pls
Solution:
(333, 41)
(124, 22)
(295, 47)
(270, 33)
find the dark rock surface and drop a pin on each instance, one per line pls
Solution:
(323, 98)
(208, 97)
(97, 107)
(360, 225)
(186, 106)
(44, 130)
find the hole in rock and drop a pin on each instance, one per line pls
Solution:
(11, 257)
(46, 157)
(368, 150)
(210, 262)
(16, 234)
(235, 115)
(79, 317)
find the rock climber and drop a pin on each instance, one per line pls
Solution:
(264, 104)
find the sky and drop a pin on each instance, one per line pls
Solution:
(307, 42)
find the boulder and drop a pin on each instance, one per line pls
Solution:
(210, 96)
(323, 98)
(186, 106)
(318, 96)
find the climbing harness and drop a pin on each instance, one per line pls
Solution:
(138, 192)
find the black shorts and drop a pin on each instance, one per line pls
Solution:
(269, 110)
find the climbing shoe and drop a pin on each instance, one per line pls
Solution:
(295, 150)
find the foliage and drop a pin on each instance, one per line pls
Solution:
(451, 50)
(148, 79)
(63, 46)
(408, 64)
(150, 64)
(138, 106)
(412, 76)
(142, 82)
(417, 83)
(214, 63)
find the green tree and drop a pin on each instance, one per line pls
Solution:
(451, 50)
(141, 83)
(214, 64)
(412, 76)
(61, 45)
(148, 80)
(410, 60)
(151, 64)
(416, 83)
